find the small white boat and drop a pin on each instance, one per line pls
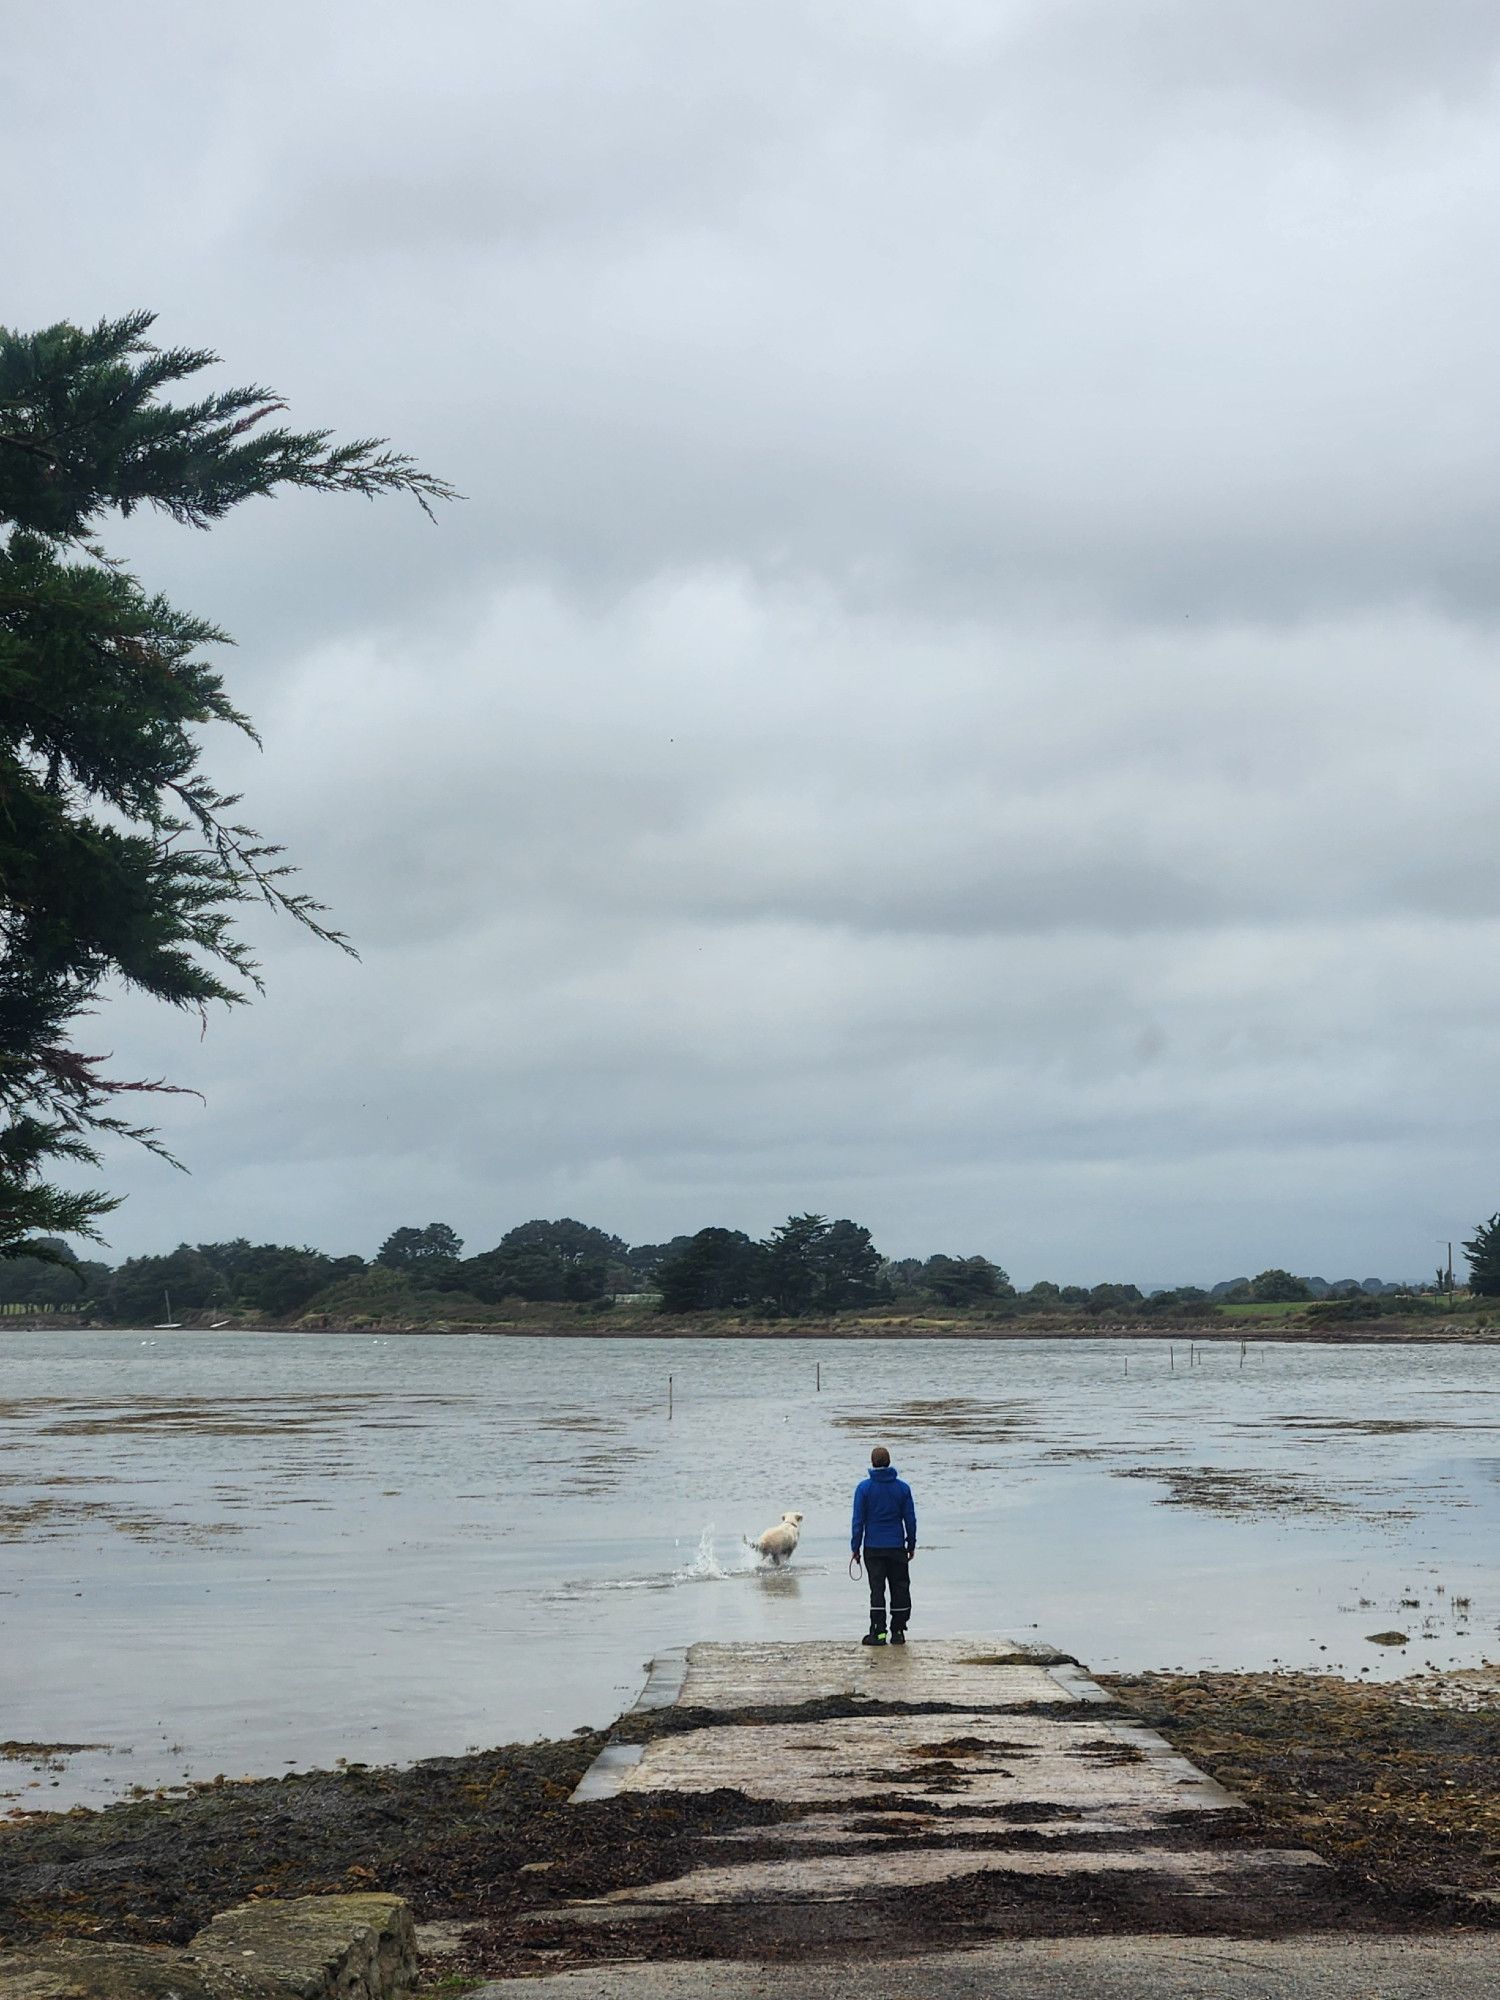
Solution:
(167, 1325)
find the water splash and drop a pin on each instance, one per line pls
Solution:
(705, 1566)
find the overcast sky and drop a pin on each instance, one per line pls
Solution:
(964, 691)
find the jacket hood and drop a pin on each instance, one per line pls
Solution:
(882, 1472)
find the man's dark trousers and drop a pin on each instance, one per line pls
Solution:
(882, 1567)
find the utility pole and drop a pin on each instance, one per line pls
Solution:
(1445, 1275)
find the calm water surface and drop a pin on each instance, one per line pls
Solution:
(252, 1552)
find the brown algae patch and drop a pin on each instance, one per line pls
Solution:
(1397, 1790)
(49, 1520)
(966, 1417)
(1361, 1426)
(967, 1746)
(51, 1754)
(1110, 1752)
(1223, 1490)
(212, 1416)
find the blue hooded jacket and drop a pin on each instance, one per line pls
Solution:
(884, 1517)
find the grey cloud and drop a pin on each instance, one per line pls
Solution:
(963, 690)
(1348, 58)
(675, 756)
(897, 317)
(720, 1074)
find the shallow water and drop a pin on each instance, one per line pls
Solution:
(249, 1552)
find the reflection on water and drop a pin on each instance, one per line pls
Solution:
(238, 1553)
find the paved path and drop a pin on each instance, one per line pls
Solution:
(1151, 1968)
(963, 1793)
(1022, 1772)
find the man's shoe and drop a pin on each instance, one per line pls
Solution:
(898, 1637)
(873, 1639)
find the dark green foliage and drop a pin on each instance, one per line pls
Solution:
(118, 857)
(1277, 1287)
(645, 1259)
(138, 1290)
(271, 1280)
(275, 1279)
(817, 1266)
(88, 436)
(51, 1277)
(419, 1250)
(544, 1260)
(1358, 1306)
(1111, 1299)
(807, 1265)
(1483, 1253)
(904, 1274)
(572, 1243)
(1179, 1302)
(792, 1254)
(948, 1281)
(965, 1281)
(714, 1269)
(1044, 1296)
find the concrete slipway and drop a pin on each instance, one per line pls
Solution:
(953, 1762)
(1018, 1746)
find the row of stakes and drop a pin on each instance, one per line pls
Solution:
(1195, 1360)
(818, 1381)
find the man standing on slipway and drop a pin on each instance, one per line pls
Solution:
(885, 1526)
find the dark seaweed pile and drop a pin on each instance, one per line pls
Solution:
(450, 1834)
(1403, 1798)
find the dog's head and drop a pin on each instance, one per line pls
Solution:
(792, 1520)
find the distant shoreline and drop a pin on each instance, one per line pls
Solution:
(1255, 1333)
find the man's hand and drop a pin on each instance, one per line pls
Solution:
(911, 1555)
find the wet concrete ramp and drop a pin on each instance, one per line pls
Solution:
(953, 1760)
(1115, 1968)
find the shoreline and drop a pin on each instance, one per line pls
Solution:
(1390, 1785)
(1248, 1332)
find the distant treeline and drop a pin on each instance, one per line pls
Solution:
(809, 1266)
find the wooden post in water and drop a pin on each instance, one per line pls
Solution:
(820, 1375)
(669, 1399)
(1172, 1359)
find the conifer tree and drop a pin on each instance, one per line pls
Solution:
(1483, 1253)
(119, 858)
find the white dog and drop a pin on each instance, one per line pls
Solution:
(780, 1542)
